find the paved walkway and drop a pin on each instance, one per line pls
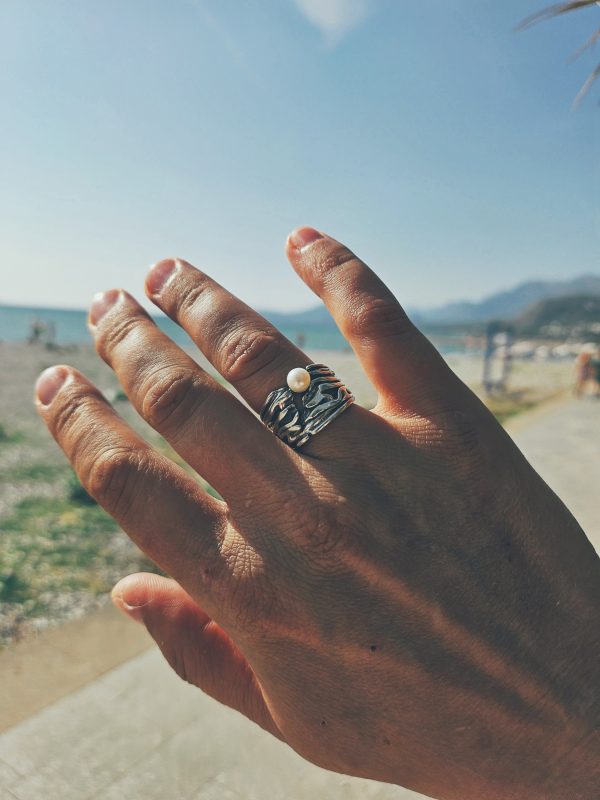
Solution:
(138, 733)
(564, 447)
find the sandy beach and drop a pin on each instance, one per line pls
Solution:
(59, 553)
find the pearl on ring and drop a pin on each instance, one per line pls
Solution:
(298, 380)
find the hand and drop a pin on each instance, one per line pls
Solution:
(403, 600)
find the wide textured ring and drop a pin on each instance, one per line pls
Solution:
(313, 398)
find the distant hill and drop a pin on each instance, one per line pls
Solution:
(506, 305)
(576, 316)
(317, 323)
(317, 317)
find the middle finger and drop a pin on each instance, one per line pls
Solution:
(203, 422)
(243, 346)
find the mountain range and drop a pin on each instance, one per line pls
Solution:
(504, 305)
(576, 316)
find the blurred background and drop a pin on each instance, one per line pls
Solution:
(446, 143)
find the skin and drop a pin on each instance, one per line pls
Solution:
(404, 599)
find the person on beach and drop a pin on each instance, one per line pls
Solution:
(583, 371)
(595, 372)
(393, 592)
(37, 328)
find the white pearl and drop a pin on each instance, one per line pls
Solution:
(298, 380)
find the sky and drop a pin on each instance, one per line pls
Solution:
(429, 136)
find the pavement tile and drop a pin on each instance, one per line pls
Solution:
(74, 748)
(223, 755)
(564, 447)
(9, 777)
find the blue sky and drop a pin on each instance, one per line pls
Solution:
(428, 135)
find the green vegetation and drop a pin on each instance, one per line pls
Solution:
(58, 553)
(506, 406)
(35, 472)
(559, 318)
(48, 545)
(77, 493)
(51, 548)
(10, 437)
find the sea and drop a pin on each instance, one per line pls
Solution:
(69, 327)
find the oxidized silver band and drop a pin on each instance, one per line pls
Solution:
(295, 417)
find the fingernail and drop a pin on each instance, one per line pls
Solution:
(159, 275)
(101, 304)
(131, 597)
(135, 612)
(49, 383)
(302, 237)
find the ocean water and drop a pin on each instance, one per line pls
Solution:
(70, 328)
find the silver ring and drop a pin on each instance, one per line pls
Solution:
(313, 398)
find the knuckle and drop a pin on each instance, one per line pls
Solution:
(68, 412)
(324, 266)
(338, 257)
(379, 318)
(244, 354)
(168, 392)
(111, 477)
(113, 336)
(187, 302)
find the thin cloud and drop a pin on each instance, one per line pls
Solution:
(334, 18)
(227, 40)
(228, 43)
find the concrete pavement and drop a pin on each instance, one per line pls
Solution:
(563, 445)
(140, 732)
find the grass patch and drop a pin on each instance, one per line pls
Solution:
(509, 405)
(35, 472)
(77, 494)
(52, 549)
(49, 546)
(10, 437)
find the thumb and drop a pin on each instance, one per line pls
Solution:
(197, 649)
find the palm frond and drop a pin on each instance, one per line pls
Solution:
(587, 86)
(590, 43)
(555, 11)
(563, 8)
